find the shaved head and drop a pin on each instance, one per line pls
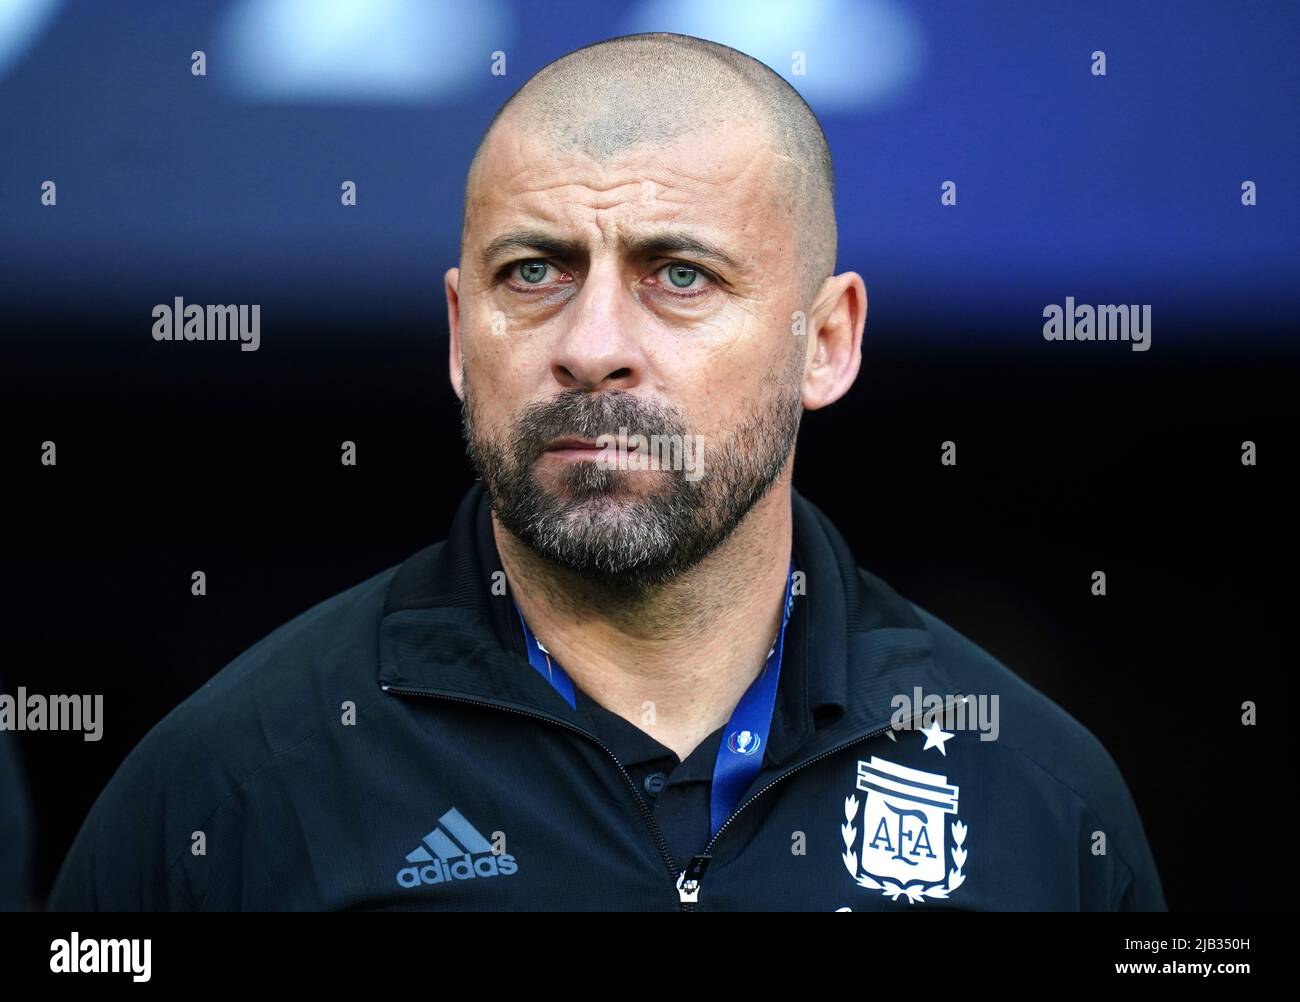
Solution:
(647, 256)
(652, 89)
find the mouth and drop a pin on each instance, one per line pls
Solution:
(573, 448)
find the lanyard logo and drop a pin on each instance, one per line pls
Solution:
(743, 742)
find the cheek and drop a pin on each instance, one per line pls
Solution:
(722, 403)
(753, 365)
(491, 390)
(485, 332)
(718, 382)
(495, 361)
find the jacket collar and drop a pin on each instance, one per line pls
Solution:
(449, 629)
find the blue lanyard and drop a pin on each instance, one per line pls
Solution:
(746, 733)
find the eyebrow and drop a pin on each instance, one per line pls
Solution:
(642, 244)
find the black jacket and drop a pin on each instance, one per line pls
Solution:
(462, 780)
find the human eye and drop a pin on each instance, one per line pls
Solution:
(530, 274)
(684, 280)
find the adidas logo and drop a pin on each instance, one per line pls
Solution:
(455, 850)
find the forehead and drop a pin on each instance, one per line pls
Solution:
(723, 179)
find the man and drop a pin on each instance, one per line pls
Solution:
(641, 672)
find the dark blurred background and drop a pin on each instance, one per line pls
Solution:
(1072, 457)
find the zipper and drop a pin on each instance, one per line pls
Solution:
(688, 884)
(660, 841)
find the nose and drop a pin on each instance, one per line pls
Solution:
(599, 349)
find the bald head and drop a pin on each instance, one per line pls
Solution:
(652, 89)
(648, 254)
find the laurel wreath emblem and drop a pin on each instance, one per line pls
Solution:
(889, 888)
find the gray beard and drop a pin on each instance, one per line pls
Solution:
(626, 543)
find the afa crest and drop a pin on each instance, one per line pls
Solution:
(904, 835)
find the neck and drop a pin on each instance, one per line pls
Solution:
(675, 660)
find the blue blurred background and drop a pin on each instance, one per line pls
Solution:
(1072, 457)
(1116, 189)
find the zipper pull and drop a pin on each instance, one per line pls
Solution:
(688, 884)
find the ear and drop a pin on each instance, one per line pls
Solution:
(839, 315)
(450, 282)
